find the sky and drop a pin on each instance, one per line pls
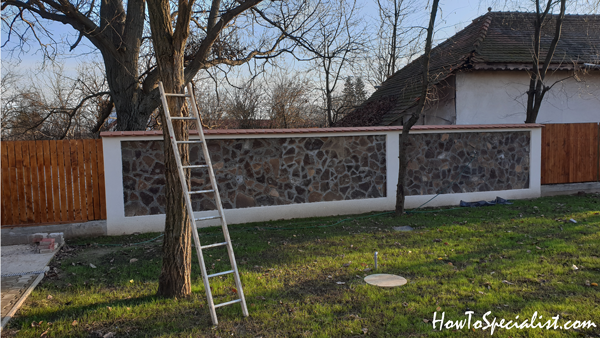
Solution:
(454, 15)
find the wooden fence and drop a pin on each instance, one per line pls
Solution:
(570, 153)
(52, 182)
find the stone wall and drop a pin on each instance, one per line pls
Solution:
(467, 162)
(259, 172)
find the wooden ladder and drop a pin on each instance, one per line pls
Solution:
(194, 116)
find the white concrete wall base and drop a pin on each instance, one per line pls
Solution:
(156, 223)
(569, 189)
(19, 235)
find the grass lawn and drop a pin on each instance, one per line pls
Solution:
(511, 260)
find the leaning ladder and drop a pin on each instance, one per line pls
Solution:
(194, 116)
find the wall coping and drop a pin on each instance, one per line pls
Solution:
(226, 132)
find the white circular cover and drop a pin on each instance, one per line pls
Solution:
(385, 280)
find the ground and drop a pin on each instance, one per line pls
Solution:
(512, 260)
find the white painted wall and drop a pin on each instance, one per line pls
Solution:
(118, 224)
(442, 109)
(497, 97)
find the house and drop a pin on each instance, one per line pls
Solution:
(480, 76)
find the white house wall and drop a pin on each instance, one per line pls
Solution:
(498, 97)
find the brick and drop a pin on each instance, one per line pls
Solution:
(58, 237)
(36, 238)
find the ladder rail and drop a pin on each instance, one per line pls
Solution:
(211, 174)
(188, 203)
(194, 114)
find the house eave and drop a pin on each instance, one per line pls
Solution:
(525, 66)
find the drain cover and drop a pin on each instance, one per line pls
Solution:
(385, 280)
(403, 228)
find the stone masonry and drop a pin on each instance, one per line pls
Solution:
(260, 172)
(279, 171)
(467, 162)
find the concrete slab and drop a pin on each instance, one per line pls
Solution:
(23, 258)
(385, 280)
(21, 271)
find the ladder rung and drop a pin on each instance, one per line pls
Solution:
(220, 273)
(178, 95)
(213, 245)
(182, 118)
(194, 166)
(201, 191)
(228, 303)
(188, 142)
(207, 218)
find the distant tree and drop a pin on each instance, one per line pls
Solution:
(359, 91)
(334, 40)
(348, 99)
(288, 103)
(403, 160)
(66, 108)
(348, 91)
(243, 106)
(393, 41)
(210, 106)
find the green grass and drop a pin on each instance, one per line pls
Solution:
(454, 260)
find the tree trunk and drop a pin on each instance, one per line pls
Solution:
(328, 100)
(402, 157)
(174, 280)
(403, 163)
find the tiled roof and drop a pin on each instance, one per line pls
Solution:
(496, 40)
(375, 129)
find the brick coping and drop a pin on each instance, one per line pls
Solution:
(325, 130)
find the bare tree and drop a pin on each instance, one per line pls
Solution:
(288, 103)
(394, 42)
(118, 30)
(243, 106)
(333, 40)
(336, 45)
(210, 105)
(537, 86)
(416, 114)
(65, 108)
(170, 30)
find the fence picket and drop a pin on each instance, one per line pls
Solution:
(7, 189)
(89, 188)
(32, 193)
(95, 184)
(48, 180)
(43, 211)
(55, 181)
(20, 181)
(101, 182)
(75, 173)
(81, 173)
(68, 179)
(62, 182)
